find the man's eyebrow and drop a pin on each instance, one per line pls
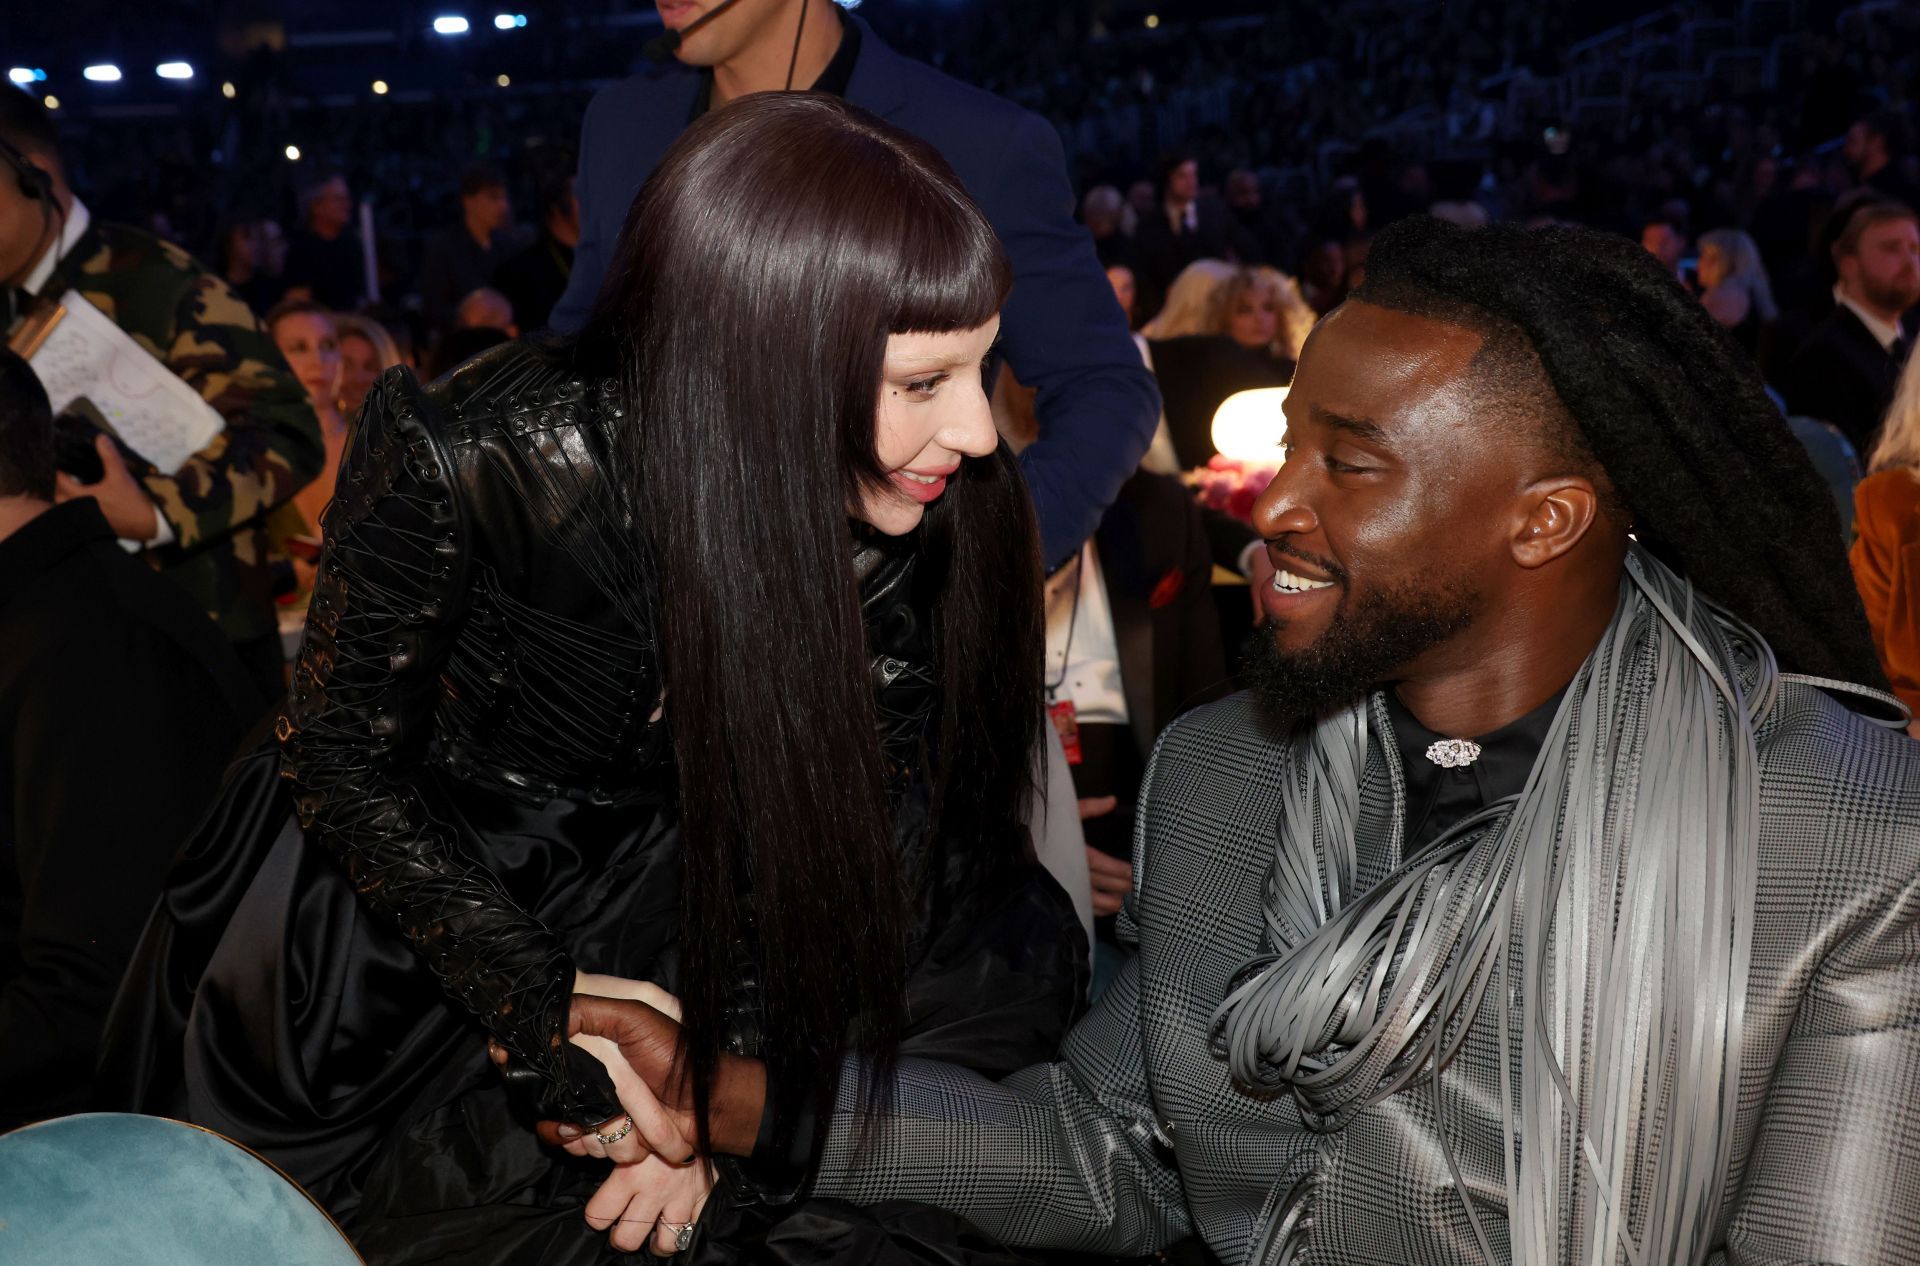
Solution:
(1359, 428)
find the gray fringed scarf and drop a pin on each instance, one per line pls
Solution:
(1636, 832)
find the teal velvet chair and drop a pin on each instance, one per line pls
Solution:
(106, 1189)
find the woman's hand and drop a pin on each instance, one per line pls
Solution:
(620, 987)
(653, 1128)
(649, 1121)
(650, 1199)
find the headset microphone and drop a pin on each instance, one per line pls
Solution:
(667, 43)
(35, 184)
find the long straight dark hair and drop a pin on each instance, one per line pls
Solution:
(780, 242)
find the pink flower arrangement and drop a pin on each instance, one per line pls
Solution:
(1230, 486)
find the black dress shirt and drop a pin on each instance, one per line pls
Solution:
(1438, 797)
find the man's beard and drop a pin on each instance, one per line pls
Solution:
(1368, 640)
(1892, 297)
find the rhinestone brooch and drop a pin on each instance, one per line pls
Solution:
(1454, 753)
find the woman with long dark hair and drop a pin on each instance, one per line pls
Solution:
(701, 649)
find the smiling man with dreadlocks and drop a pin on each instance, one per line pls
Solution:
(1553, 896)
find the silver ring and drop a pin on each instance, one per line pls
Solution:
(617, 1135)
(682, 1235)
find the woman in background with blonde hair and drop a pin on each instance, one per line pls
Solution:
(367, 350)
(1734, 288)
(1886, 544)
(1193, 301)
(309, 337)
(1296, 315)
(1216, 335)
(1259, 308)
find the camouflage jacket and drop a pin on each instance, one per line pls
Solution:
(217, 503)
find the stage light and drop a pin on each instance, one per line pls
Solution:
(1153, 20)
(50, 101)
(104, 73)
(1248, 425)
(502, 80)
(508, 21)
(228, 91)
(379, 87)
(293, 153)
(24, 75)
(452, 24)
(173, 70)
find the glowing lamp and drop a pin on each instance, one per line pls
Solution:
(1248, 425)
(452, 24)
(104, 73)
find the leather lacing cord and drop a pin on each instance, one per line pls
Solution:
(389, 574)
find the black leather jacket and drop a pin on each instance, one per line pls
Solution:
(481, 608)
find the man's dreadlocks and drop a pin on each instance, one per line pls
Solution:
(1665, 402)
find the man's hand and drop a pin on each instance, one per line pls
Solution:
(1112, 881)
(652, 1124)
(1111, 878)
(648, 1041)
(123, 499)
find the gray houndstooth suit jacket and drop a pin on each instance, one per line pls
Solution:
(1136, 1137)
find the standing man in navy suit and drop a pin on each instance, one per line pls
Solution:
(1062, 331)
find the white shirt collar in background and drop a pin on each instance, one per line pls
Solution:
(1884, 331)
(71, 228)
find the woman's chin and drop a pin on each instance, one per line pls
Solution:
(897, 517)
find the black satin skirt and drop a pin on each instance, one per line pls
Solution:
(266, 1003)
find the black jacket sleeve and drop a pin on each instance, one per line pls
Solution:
(386, 608)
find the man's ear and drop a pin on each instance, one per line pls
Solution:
(1847, 268)
(1555, 515)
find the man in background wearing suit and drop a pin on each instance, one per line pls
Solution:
(1062, 331)
(119, 704)
(1845, 371)
(1186, 226)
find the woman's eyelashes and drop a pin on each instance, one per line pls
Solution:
(925, 388)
